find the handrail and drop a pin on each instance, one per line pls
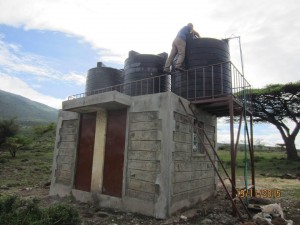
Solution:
(210, 81)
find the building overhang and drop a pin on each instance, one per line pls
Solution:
(92, 103)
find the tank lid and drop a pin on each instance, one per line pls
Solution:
(132, 53)
(163, 55)
(100, 64)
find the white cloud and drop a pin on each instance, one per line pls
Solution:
(78, 79)
(19, 87)
(268, 29)
(14, 60)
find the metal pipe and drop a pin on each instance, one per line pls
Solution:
(233, 158)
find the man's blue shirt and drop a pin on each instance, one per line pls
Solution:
(184, 32)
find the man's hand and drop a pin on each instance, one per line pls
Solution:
(196, 34)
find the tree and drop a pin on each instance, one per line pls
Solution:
(13, 144)
(8, 128)
(275, 104)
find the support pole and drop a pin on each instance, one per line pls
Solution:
(233, 155)
(252, 154)
(239, 131)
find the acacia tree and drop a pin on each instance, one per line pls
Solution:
(275, 104)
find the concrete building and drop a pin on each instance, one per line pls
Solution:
(134, 153)
(143, 145)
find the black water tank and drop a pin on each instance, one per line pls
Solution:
(203, 79)
(102, 77)
(139, 67)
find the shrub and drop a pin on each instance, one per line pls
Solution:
(17, 211)
(62, 214)
(14, 211)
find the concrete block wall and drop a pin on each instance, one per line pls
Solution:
(63, 167)
(193, 178)
(144, 142)
(149, 152)
(162, 174)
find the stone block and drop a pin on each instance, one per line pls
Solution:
(63, 181)
(200, 165)
(152, 125)
(182, 137)
(66, 151)
(141, 195)
(64, 159)
(68, 137)
(143, 165)
(192, 194)
(70, 145)
(183, 118)
(192, 185)
(145, 145)
(142, 155)
(183, 147)
(67, 130)
(69, 123)
(142, 175)
(151, 135)
(182, 187)
(143, 116)
(142, 186)
(183, 176)
(181, 156)
(63, 174)
(200, 174)
(63, 166)
(183, 127)
(182, 166)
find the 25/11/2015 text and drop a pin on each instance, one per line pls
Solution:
(263, 193)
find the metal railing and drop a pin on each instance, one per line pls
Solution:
(205, 82)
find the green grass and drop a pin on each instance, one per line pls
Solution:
(32, 166)
(266, 163)
(269, 167)
(29, 168)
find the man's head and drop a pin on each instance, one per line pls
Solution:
(190, 25)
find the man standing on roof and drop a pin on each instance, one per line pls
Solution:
(178, 47)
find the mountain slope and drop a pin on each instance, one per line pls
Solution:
(24, 109)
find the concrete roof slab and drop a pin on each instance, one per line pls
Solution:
(91, 103)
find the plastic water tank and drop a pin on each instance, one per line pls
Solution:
(203, 79)
(139, 67)
(101, 77)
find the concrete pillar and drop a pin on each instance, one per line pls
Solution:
(99, 151)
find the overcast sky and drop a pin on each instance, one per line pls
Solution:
(47, 46)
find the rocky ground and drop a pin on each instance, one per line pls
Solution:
(215, 210)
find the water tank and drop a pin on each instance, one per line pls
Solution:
(140, 67)
(208, 73)
(102, 77)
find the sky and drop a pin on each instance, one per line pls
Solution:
(47, 46)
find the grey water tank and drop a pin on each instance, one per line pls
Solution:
(139, 70)
(208, 73)
(102, 77)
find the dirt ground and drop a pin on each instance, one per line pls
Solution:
(215, 210)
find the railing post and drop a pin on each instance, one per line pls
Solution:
(187, 86)
(203, 85)
(212, 82)
(195, 84)
(222, 88)
(159, 84)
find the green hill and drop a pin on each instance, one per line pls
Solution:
(25, 110)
